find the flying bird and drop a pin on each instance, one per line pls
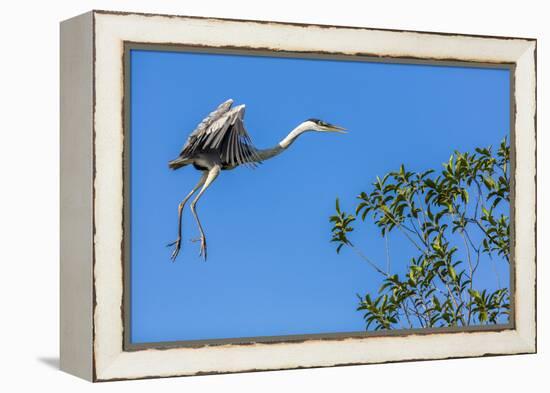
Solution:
(220, 142)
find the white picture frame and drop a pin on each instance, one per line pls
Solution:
(92, 194)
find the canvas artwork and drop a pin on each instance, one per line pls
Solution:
(274, 197)
(251, 195)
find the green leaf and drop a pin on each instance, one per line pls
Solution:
(452, 273)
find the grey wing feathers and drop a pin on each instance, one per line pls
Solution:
(223, 130)
(196, 135)
(236, 147)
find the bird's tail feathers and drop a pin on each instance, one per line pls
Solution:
(178, 163)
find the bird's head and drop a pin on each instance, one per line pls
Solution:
(322, 126)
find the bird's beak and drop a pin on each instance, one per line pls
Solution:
(335, 128)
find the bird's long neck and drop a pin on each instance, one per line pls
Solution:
(284, 144)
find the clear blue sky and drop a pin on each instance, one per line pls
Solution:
(271, 269)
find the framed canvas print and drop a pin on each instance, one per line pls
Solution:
(247, 195)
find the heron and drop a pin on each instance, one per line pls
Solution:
(219, 143)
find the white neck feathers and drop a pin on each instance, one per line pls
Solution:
(284, 144)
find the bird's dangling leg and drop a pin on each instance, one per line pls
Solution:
(212, 175)
(177, 242)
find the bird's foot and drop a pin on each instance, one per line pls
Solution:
(177, 246)
(202, 252)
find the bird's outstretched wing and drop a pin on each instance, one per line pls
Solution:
(223, 130)
(203, 125)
